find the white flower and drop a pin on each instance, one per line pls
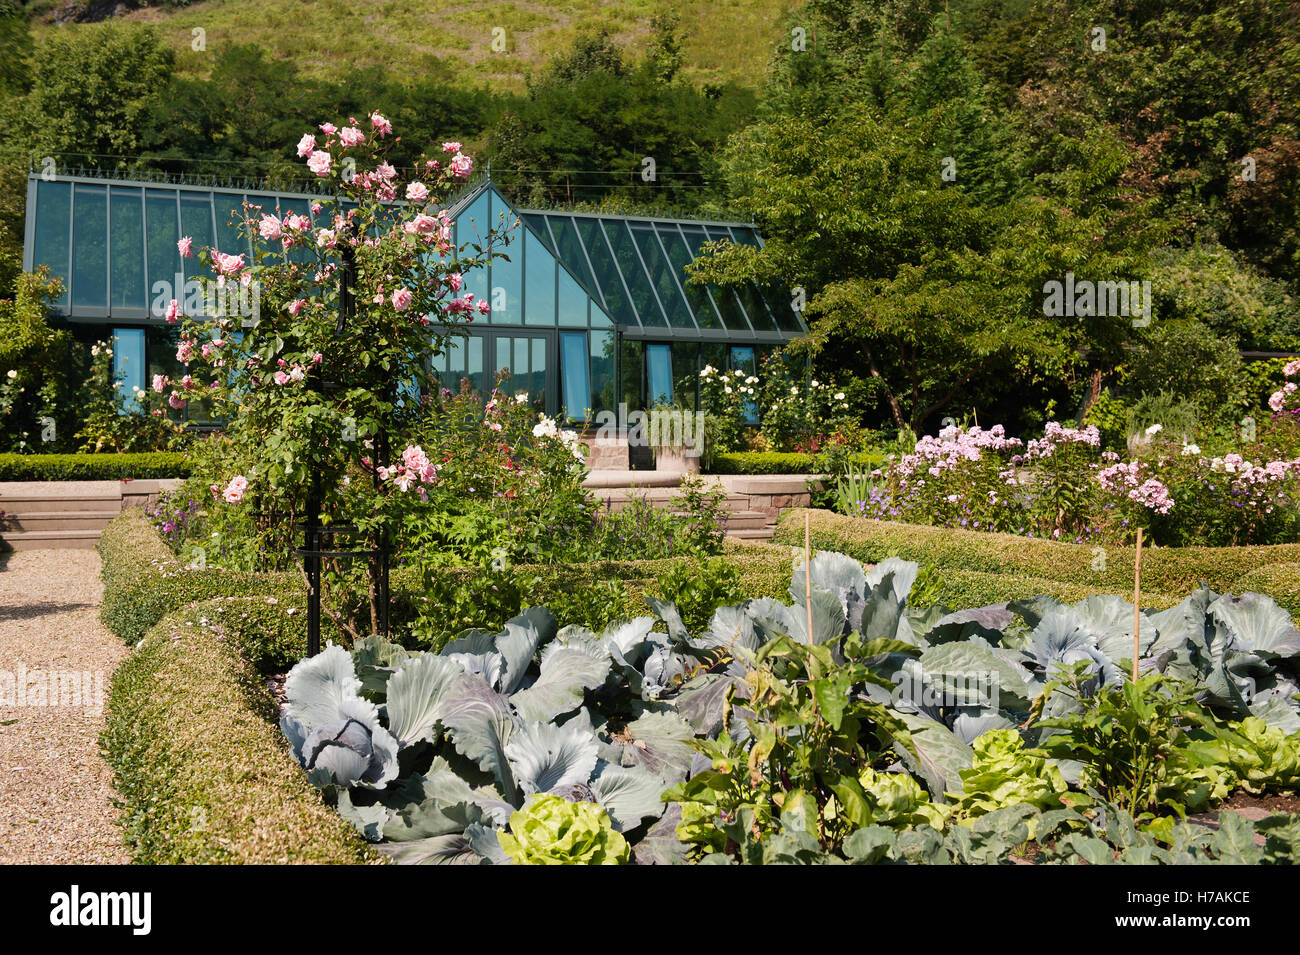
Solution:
(814, 384)
(1190, 449)
(794, 391)
(751, 380)
(11, 374)
(727, 389)
(839, 396)
(1155, 429)
(521, 398)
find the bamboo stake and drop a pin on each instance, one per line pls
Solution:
(1137, 596)
(807, 572)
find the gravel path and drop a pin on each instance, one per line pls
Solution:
(55, 789)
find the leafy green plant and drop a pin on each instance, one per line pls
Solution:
(1126, 737)
(696, 590)
(551, 830)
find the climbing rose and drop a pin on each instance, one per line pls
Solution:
(461, 166)
(319, 162)
(269, 227)
(160, 383)
(417, 191)
(173, 311)
(186, 247)
(306, 145)
(296, 306)
(351, 136)
(402, 299)
(234, 492)
(382, 126)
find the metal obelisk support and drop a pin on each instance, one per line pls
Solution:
(312, 531)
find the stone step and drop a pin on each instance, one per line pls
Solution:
(50, 540)
(753, 533)
(25, 504)
(746, 519)
(65, 520)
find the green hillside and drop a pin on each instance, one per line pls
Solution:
(724, 40)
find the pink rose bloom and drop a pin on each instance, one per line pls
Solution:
(327, 238)
(1277, 400)
(319, 162)
(317, 358)
(423, 224)
(173, 311)
(280, 378)
(185, 351)
(160, 383)
(451, 147)
(402, 299)
(297, 306)
(417, 191)
(351, 136)
(269, 227)
(176, 401)
(296, 222)
(316, 207)
(461, 166)
(234, 492)
(385, 172)
(306, 145)
(329, 129)
(382, 126)
(298, 373)
(1291, 368)
(186, 247)
(456, 281)
(483, 307)
(227, 264)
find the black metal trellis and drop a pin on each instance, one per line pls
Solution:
(314, 532)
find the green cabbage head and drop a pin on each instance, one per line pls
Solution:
(551, 830)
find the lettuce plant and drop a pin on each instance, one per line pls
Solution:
(551, 830)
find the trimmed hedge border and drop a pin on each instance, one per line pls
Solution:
(780, 462)
(93, 467)
(1004, 566)
(144, 581)
(201, 771)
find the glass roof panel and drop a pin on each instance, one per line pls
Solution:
(606, 272)
(126, 248)
(196, 222)
(228, 208)
(747, 292)
(732, 315)
(89, 247)
(569, 248)
(660, 271)
(161, 237)
(628, 262)
(778, 301)
(50, 241)
(706, 316)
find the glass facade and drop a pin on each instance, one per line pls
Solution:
(586, 310)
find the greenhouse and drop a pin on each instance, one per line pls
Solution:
(588, 311)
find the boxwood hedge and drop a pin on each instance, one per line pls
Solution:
(998, 566)
(93, 467)
(201, 771)
(779, 462)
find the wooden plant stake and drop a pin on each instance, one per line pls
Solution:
(807, 572)
(1137, 596)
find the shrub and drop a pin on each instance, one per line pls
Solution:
(93, 467)
(1025, 564)
(201, 771)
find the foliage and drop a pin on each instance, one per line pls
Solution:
(551, 830)
(43, 369)
(696, 590)
(93, 467)
(113, 423)
(195, 756)
(1126, 739)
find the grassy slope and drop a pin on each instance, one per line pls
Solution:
(724, 39)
